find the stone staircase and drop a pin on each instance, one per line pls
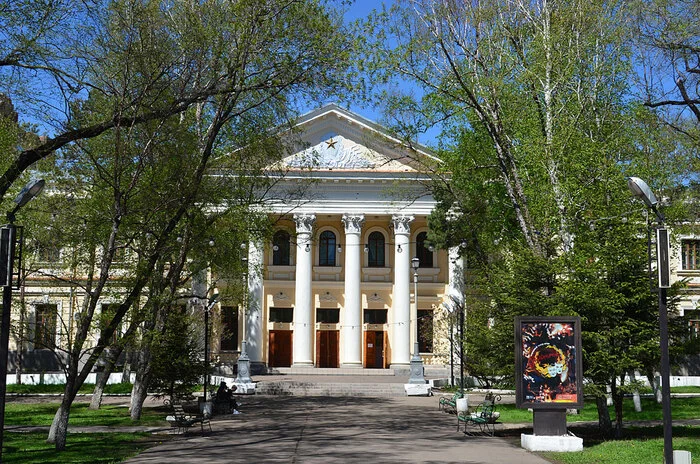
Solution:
(305, 388)
(311, 381)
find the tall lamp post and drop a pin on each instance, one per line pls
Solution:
(416, 361)
(641, 190)
(11, 251)
(210, 304)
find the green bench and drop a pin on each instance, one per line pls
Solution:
(481, 421)
(449, 403)
(184, 421)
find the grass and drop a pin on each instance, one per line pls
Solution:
(41, 414)
(87, 388)
(681, 408)
(642, 446)
(87, 448)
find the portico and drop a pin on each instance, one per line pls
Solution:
(335, 280)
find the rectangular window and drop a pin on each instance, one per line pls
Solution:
(45, 327)
(689, 254)
(425, 331)
(375, 316)
(281, 314)
(327, 316)
(229, 328)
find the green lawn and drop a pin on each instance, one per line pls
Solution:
(87, 448)
(644, 447)
(681, 408)
(81, 415)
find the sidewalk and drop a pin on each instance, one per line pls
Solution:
(291, 429)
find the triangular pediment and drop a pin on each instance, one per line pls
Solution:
(341, 153)
(331, 139)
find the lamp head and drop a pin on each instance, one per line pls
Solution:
(29, 191)
(32, 189)
(415, 262)
(640, 189)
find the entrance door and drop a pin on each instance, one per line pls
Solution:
(327, 348)
(374, 349)
(280, 348)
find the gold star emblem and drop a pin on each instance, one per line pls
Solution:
(331, 143)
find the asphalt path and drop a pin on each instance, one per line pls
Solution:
(293, 429)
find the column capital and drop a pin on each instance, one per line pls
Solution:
(353, 223)
(402, 224)
(304, 222)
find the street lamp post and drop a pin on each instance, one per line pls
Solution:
(210, 304)
(641, 190)
(10, 251)
(417, 375)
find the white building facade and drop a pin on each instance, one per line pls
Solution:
(335, 286)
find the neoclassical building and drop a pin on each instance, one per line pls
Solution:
(335, 286)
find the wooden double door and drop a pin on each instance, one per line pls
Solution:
(375, 349)
(280, 354)
(327, 345)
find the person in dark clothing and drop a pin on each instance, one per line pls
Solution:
(225, 394)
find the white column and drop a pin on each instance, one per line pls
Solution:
(254, 309)
(303, 303)
(351, 332)
(401, 308)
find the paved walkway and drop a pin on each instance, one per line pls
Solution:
(292, 429)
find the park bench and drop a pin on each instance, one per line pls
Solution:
(449, 403)
(184, 421)
(482, 420)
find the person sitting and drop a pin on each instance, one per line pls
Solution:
(225, 395)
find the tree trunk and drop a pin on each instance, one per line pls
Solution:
(604, 422)
(59, 427)
(103, 377)
(128, 361)
(635, 395)
(655, 386)
(139, 391)
(617, 402)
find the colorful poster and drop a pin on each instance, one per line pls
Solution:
(548, 366)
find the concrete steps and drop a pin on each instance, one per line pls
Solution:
(306, 388)
(312, 381)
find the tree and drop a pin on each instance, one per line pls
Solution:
(157, 59)
(225, 70)
(540, 133)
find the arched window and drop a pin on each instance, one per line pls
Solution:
(280, 248)
(326, 249)
(375, 243)
(425, 255)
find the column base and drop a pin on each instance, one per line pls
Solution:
(352, 365)
(303, 364)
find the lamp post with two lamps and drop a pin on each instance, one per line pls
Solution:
(11, 253)
(641, 190)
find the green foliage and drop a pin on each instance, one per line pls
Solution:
(176, 367)
(540, 130)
